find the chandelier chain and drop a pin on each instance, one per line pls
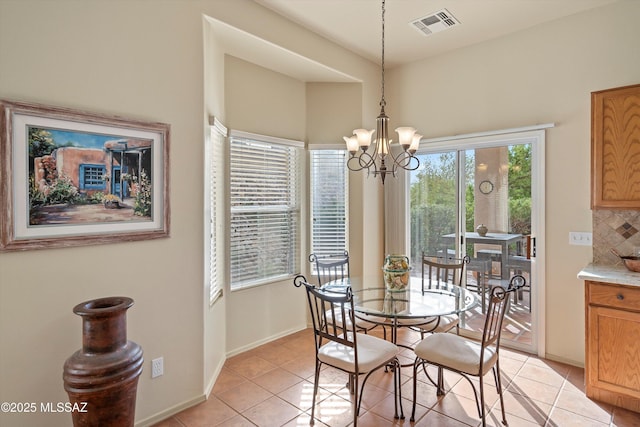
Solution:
(383, 102)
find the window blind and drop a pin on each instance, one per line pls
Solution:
(329, 201)
(214, 204)
(265, 209)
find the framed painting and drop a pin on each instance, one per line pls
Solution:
(70, 178)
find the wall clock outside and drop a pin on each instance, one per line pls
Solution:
(486, 187)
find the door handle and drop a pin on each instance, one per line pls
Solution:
(533, 247)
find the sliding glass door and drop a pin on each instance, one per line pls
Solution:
(475, 198)
(434, 207)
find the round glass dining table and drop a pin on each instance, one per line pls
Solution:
(406, 307)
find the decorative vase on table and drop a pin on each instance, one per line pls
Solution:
(482, 230)
(396, 272)
(102, 377)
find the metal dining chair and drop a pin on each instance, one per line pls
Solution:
(438, 269)
(468, 357)
(435, 271)
(331, 267)
(338, 344)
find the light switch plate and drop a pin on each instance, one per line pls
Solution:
(580, 238)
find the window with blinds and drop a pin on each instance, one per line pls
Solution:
(214, 209)
(329, 201)
(265, 208)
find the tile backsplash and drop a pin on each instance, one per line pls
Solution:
(618, 229)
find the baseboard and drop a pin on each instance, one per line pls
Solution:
(214, 377)
(265, 341)
(167, 413)
(564, 360)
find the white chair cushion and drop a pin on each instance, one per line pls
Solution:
(372, 352)
(456, 352)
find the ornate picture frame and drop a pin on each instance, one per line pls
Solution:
(72, 178)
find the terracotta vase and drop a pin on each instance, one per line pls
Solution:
(101, 379)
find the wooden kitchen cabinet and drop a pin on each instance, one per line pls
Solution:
(612, 362)
(615, 148)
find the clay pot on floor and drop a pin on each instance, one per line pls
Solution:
(101, 379)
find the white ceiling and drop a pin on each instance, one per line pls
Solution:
(356, 24)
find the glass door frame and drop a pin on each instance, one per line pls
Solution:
(535, 136)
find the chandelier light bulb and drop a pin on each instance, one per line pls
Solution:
(405, 136)
(364, 137)
(352, 144)
(383, 146)
(415, 143)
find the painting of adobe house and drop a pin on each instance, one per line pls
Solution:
(78, 177)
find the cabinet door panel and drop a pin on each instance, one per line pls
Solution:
(615, 148)
(614, 347)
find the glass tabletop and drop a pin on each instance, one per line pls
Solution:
(408, 303)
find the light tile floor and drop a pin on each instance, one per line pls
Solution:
(272, 386)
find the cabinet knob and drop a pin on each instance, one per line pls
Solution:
(620, 297)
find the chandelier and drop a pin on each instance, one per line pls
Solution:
(381, 161)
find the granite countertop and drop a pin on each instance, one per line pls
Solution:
(616, 274)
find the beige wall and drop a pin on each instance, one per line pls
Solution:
(262, 101)
(541, 75)
(333, 109)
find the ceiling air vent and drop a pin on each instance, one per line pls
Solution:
(435, 22)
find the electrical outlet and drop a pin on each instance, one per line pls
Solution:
(157, 367)
(577, 238)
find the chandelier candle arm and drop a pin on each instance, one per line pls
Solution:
(359, 143)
